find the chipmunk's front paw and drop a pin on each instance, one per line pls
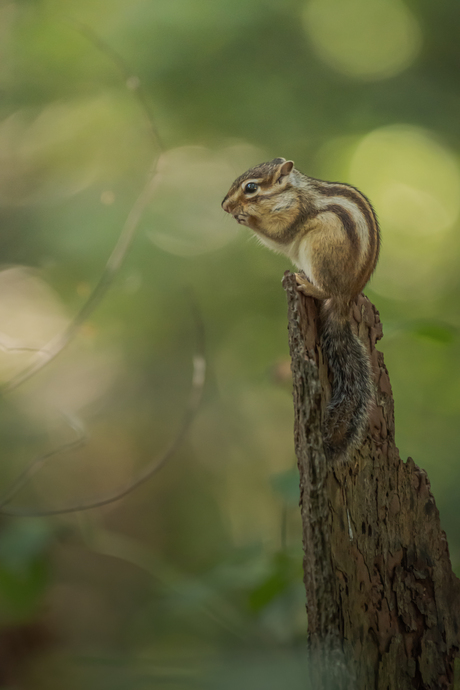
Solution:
(303, 284)
(307, 288)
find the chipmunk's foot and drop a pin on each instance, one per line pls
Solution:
(307, 288)
(302, 279)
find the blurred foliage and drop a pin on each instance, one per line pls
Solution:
(195, 579)
(23, 568)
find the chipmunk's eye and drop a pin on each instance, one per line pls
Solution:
(251, 187)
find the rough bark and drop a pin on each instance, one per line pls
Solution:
(383, 603)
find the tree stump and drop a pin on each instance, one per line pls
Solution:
(383, 603)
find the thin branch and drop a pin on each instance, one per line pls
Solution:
(55, 346)
(132, 81)
(198, 380)
(59, 342)
(38, 462)
(8, 344)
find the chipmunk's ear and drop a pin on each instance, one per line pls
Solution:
(285, 169)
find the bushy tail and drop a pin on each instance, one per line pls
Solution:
(352, 388)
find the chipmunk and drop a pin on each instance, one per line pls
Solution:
(330, 231)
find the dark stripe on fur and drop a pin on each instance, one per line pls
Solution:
(260, 172)
(349, 192)
(268, 195)
(347, 222)
(364, 205)
(352, 388)
(290, 233)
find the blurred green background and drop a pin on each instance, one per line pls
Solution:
(195, 579)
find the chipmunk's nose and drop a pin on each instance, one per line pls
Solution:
(226, 205)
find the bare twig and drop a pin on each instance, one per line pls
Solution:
(38, 462)
(8, 344)
(132, 81)
(198, 380)
(60, 341)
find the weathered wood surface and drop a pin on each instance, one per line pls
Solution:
(383, 603)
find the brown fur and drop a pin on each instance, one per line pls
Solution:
(330, 231)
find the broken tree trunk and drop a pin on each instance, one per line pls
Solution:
(383, 603)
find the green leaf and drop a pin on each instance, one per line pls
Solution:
(285, 571)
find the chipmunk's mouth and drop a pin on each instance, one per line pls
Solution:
(240, 219)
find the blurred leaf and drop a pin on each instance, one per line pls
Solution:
(430, 329)
(285, 571)
(240, 568)
(271, 588)
(439, 332)
(23, 567)
(21, 542)
(287, 485)
(20, 593)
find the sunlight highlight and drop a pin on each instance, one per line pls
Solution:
(413, 181)
(366, 40)
(411, 178)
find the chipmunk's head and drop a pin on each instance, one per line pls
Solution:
(264, 198)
